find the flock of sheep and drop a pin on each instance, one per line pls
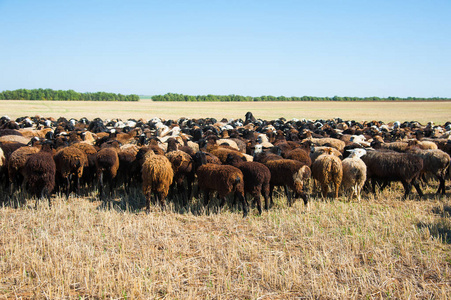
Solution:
(240, 157)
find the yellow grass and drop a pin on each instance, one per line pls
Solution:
(375, 249)
(438, 112)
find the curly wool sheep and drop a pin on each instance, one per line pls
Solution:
(157, 176)
(107, 164)
(256, 179)
(70, 162)
(182, 166)
(89, 171)
(354, 172)
(16, 165)
(40, 170)
(223, 179)
(327, 169)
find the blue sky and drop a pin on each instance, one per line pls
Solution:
(291, 48)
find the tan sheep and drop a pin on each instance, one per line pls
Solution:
(327, 169)
(157, 176)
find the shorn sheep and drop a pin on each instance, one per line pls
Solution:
(354, 172)
(223, 179)
(327, 169)
(157, 176)
(256, 179)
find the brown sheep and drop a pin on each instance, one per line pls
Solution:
(70, 162)
(291, 174)
(157, 176)
(256, 179)
(327, 169)
(39, 173)
(300, 155)
(223, 179)
(16, 165)
(89, 171)
(107, 164)
(182, 166)
(222, 153)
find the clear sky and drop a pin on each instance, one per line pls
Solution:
(248, 47)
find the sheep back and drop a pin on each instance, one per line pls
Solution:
(70, 160)
(221, 178)
(40, 172)
(157, 175)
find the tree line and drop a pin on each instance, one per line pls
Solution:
(69, 95)
(231, 98)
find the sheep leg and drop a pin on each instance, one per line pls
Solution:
(417, 187)
(257, 199)
(148, 197)
(245, 205)
(159, 197)
(68, 180)
(441, 187)
(288, 193)
(100, 184)
(324, 190)
(337, 187)
(206, 197)
(78, 186)
(271, 190)
(407, 188)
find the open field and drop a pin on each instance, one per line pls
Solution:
(438, 112)
(381, 248)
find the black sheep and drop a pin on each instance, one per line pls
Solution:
(387, 166)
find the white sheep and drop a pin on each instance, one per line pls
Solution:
(354, 172)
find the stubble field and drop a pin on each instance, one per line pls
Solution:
(438, 112)
(380, 248)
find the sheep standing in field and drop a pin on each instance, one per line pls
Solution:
(223, 179)
(70, 162)
(388, 166)
(435, 162)
(354, 172)
(157, 176)
(327, 169)
(182, 166)
(89, 171)
(107, 164)
(256, 179)
(40, 170)
(291, 174)
(16, 166)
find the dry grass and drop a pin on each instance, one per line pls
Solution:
(147, 109)
(380, 248)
